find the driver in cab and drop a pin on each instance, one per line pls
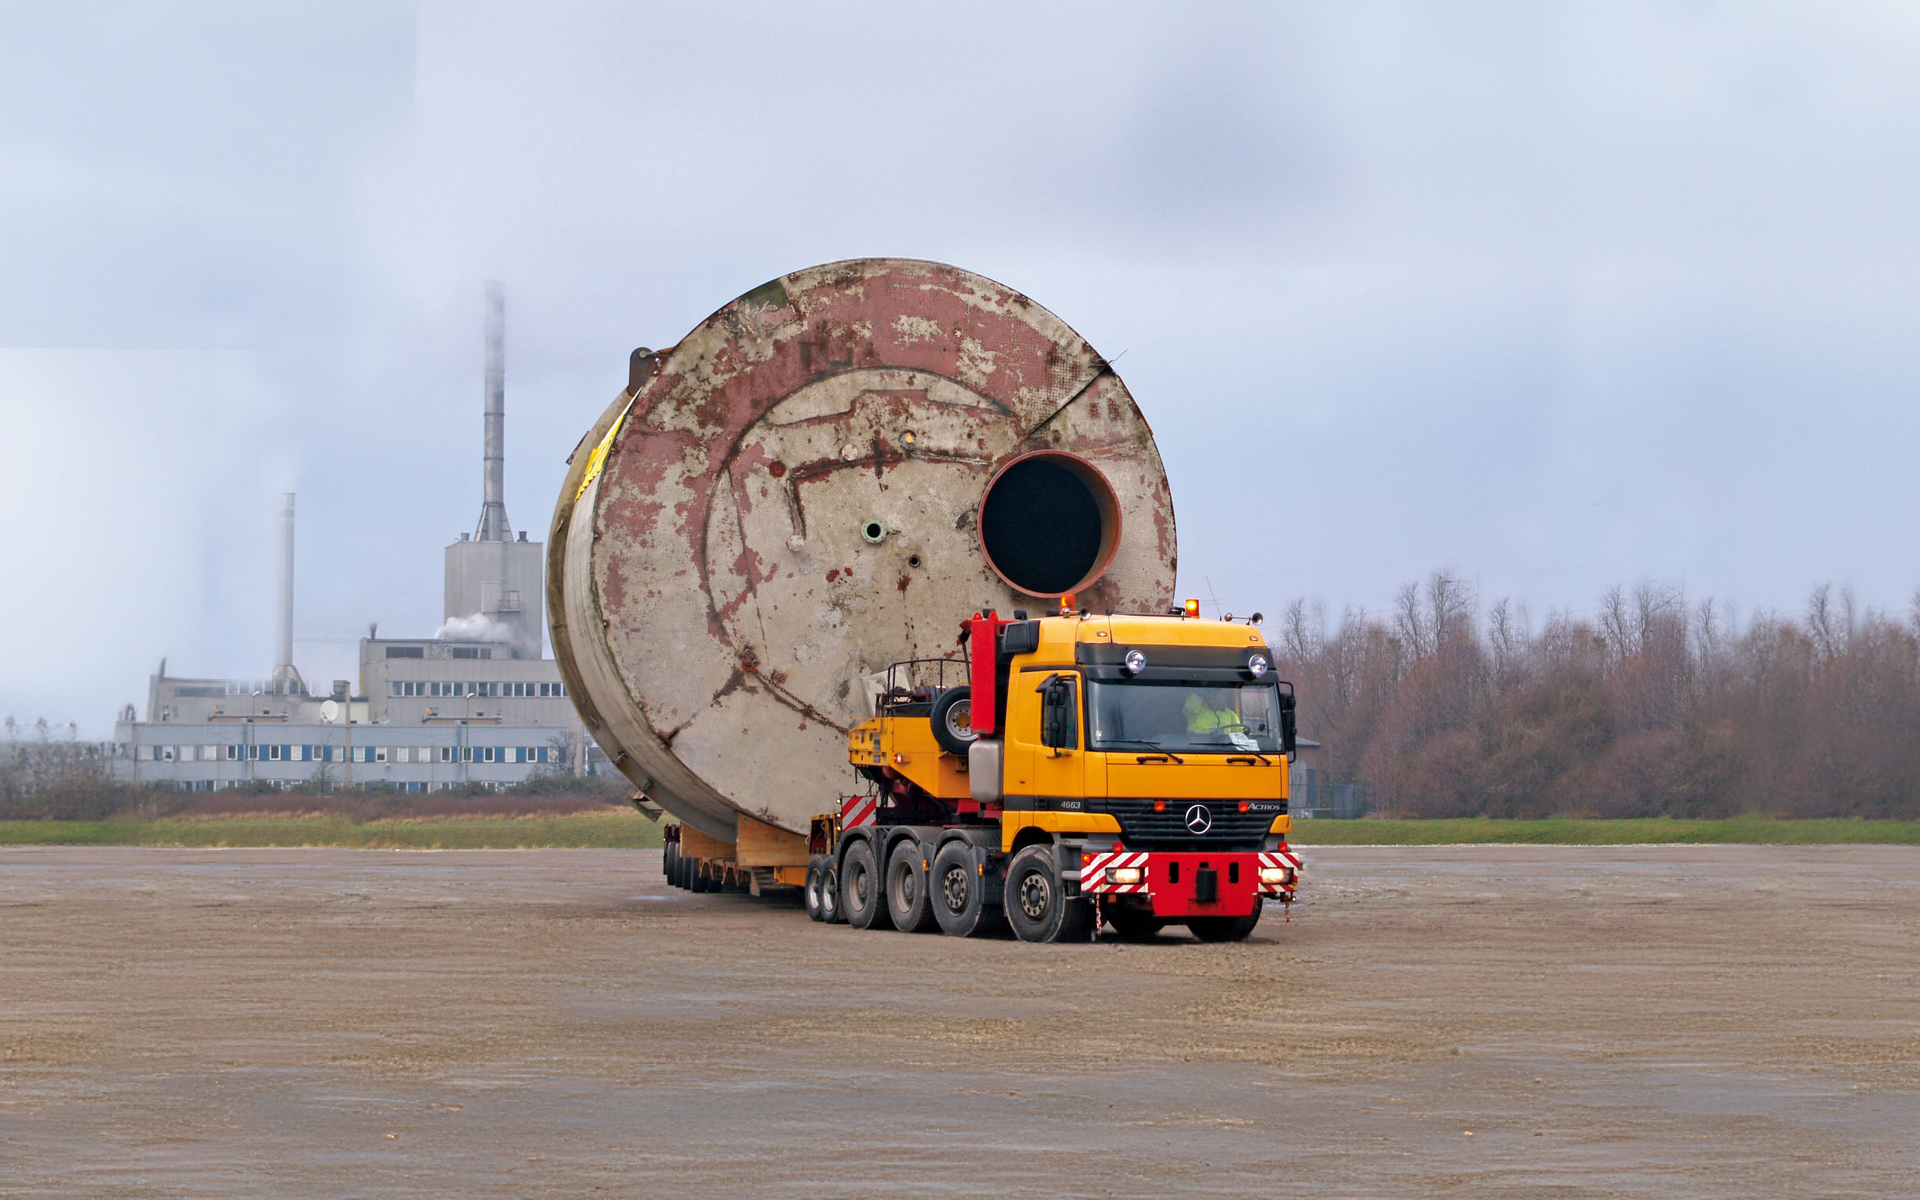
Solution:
(1202, 719)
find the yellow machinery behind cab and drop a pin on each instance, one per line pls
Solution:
(1127, 770)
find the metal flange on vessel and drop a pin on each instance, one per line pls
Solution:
(825, 477)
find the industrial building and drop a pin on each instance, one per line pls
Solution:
(474, 704)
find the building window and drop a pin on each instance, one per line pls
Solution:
(405, 652)
(233, 752)
(379, 754)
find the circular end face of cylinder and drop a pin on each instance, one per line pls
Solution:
(1049, 523)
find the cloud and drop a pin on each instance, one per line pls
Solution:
(1558, 295)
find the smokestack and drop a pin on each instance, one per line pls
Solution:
(493, 525)
(283, 669)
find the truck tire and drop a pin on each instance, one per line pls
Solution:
(908, 906)
(957, 894)
(1225, 929)
(862, 891)
(669, 859)
(830, 891)
(952, 718)
(812, 889)
(1132, 923)
(1037, 904)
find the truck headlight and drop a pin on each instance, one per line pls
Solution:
(1136, 662)
(1125, 874)
(1276, 876)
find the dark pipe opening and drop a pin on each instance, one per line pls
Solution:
(1049, 523)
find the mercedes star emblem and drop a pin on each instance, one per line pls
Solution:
(1199, 820)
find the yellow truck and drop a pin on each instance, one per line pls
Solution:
(1065, 772)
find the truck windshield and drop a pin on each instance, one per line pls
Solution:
(1200, 718)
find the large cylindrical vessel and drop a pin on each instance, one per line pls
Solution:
(824, 478)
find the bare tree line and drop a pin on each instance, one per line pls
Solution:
(1651, 706)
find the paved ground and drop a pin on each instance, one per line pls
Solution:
(1657, 1022)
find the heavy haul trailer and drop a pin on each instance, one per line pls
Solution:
(813, 484)
(1121, 770)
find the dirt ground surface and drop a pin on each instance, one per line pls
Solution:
(1456, 1021)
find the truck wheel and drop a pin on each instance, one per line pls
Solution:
(862, 895)
(1037, 904)
(669, 859)
(907, 901)
(1224, 929)
(952, 717)
(1134, 924)
(958, 895)
(697, 882)
(830, 891)
(812, 890)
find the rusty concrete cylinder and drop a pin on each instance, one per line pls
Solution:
(826, 477)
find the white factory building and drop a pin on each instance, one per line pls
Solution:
(475, 704)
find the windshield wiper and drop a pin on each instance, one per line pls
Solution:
(1152, 747)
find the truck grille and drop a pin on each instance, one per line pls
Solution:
(1144, 829)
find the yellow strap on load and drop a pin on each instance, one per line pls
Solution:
(598, 458)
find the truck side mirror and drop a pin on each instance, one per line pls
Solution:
(1289, 724)
(1058, 726)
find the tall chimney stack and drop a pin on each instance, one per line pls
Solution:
(493, 525)
(284, 672)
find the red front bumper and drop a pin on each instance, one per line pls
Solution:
(1175, 882)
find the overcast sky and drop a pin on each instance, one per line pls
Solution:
(1555, 296)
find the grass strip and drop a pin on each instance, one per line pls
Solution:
(1574, 831)
(608, 831)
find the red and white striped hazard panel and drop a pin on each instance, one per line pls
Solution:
(1278, 858)
(1094, 868)
(859, 811)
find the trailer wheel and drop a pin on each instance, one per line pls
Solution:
(908, 905)
(669, 859)
(830, 891)
(862, 895)
(958, 894)
(697, 880)
(1037, 904)
(812, 890)
(1225, 929)
(1133, 924)
(952, 718)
